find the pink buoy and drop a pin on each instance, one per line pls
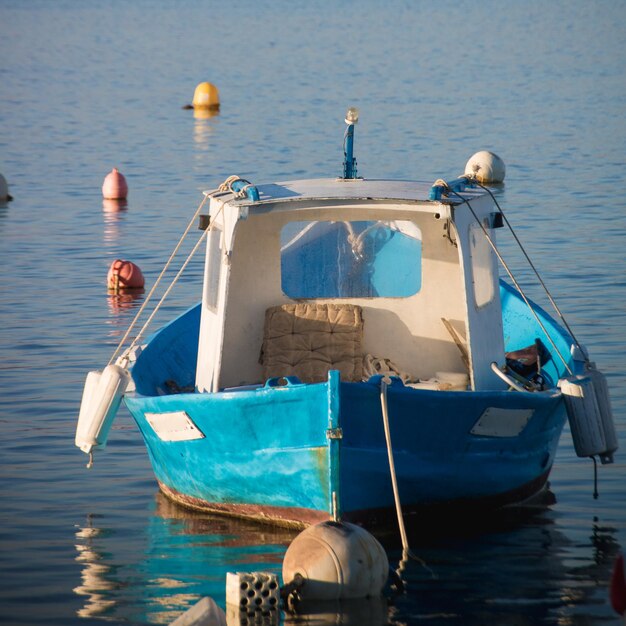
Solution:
(124, 275)
(114, 186)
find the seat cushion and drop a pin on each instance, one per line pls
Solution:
(307, 340)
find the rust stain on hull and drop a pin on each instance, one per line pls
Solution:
(286, 517)
(300, 518)
(321, 462)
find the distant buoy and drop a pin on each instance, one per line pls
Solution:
(487, 167)
(618, 585)
(124, 275)
(206, 96)
(114, 186)
(4, 190)
(336, 561)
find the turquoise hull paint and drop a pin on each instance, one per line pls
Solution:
(267, 446)
(276, 448)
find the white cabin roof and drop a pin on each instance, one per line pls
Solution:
(348, 189)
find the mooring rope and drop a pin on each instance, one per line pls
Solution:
(157, 282)
(225, 186)
(532, 265)
(392, 467)
(510, 273)
(174, 280)
(171, 286)
(406, 551)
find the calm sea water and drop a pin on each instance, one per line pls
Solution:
(86, 85)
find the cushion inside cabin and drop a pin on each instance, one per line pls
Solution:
(307, 340)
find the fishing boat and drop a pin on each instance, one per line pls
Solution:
(355, 353)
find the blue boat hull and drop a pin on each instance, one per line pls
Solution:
(270, 454)
(291, 454)
(264, 453)
(437, 459)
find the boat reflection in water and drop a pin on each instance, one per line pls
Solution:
(96, 580)
(515, 567)
(156, 569)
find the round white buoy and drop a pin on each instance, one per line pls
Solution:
(336, 561)
(4, 190)
(487, 167)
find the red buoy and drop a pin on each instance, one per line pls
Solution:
(124, 275)
(114, 186)
(618, 585)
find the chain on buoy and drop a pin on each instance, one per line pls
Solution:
(124, 275)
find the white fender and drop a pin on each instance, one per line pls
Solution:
(584, 415)
(86, 404)
(601, 390)
(101, 399)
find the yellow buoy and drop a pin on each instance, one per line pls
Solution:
(206, 96)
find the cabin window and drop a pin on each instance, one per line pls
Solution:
(359, 259)
(213, 270)
(482, 265)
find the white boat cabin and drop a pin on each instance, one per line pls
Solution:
(421, 275)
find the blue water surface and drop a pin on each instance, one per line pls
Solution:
(87, 85)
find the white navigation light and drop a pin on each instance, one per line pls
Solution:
(352, 115)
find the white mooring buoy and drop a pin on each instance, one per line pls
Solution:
(5, 196)
(331, 570)
(487, 167)
(335, 560)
